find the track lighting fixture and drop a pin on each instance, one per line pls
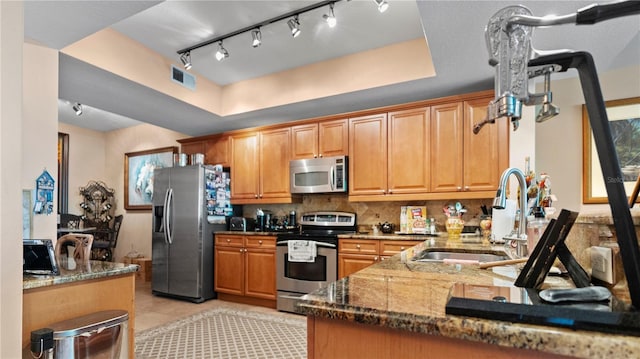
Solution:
(383, 5)
(294, 26)
(186, 60)
(222, 53)
(256, 35)
(330, 18)
(77, 108)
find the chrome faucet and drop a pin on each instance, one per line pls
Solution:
(500, 202)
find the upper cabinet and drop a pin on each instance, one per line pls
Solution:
(427, 153)
(260, 166)
(464, 164)
(214, 148)
(322, 139)
(387, 154)
(486, 154)
(446, 147)
(368, 155)
(420, 151)
(217, 151)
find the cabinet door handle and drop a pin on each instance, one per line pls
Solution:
(256, 195)
(375, 258)
(390, 191)
(466, 188)
(459, 188)
(402, 248)
(260, 242)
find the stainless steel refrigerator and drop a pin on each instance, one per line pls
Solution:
(190, 203)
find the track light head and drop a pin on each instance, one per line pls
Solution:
(383, 5)
(294, 26)
(256, 35)
(222, 53)
(186, 60)
(77, 107)
(330, 18)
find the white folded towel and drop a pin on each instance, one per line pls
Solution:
(302, 251)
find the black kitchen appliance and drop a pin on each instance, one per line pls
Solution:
(296, 276)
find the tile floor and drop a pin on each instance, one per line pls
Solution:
(153, 311)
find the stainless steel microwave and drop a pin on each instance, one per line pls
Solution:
(319, 175)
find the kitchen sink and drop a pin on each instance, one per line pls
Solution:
(439, 255)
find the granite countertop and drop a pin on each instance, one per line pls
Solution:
(403, 295)
(380, 236)
(70, 272)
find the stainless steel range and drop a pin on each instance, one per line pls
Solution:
(308, 260)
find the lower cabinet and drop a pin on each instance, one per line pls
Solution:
(245, 266)
(357, 254)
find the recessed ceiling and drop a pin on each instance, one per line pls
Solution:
(454, 31)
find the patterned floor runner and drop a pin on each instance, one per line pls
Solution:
(225, 333)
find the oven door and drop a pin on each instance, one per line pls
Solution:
(305, 277)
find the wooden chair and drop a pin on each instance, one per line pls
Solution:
(81, 242)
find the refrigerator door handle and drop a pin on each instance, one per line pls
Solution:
(167, 216)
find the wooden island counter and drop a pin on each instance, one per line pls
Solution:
(396, 309)
(80, 289)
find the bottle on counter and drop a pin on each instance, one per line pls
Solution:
(292, 219)
(432, 226)
(536, 224)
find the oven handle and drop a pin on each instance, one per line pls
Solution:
(319, 244)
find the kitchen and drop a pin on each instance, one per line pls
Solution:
(109, 155)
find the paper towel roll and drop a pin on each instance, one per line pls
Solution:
(503, 221)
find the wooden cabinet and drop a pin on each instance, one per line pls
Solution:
(323, 139)
(193, 147)
(427, 153)
(368, 155)
(217, 151)
(486, 154)
(357, 254)
(260, 166)
(446, 147)
(462, 161)
(407, 151)
(245, 266)
(214, 148)
(388, 153)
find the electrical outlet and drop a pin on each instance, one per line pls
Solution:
(602, 264)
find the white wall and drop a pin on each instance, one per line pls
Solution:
(86, 161)
(559, 140)
(40, 125)
(11, 38)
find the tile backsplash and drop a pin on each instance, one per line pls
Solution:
(370, 213)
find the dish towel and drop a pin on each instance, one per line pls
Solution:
(302, 251)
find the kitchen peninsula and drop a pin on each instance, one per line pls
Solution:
(396, 308)
(80, 289)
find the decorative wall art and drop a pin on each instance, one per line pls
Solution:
(138, 175)
(44, 194)
(624, 121)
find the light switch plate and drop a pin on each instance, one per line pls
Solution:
(602, 264)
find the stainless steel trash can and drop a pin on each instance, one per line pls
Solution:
(100, 335)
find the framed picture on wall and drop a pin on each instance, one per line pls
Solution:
(138, 175)
(624, 122)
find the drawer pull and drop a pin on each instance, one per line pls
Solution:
(260, 242)
(358, 246)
